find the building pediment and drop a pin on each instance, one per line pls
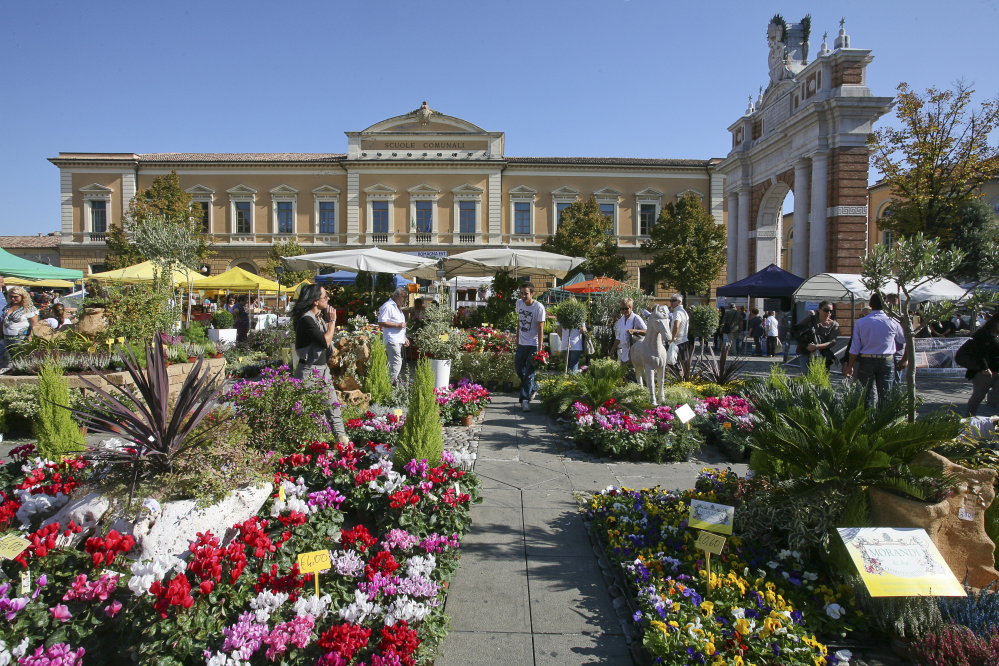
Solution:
(565, 191)
(241, 189)
(423, 188)
(467, 189)
(199, 190)
(326, 189)
(699, 195)
(96, 188)
(648, 192)
(606, 193)
(379, 188)
(522, 190)
(284, 189)
(424, 119)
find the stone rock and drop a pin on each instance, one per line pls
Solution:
(963, 544)
(92, 322)
(355, 398)
(85, 511)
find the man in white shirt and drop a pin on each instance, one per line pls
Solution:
(393, 323)
(772, 329)
(530, 335)
(628, 324)
(681, 325)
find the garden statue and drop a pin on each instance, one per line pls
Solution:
(92, 323)
(649, 355)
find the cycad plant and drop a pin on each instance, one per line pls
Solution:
(376, 380)
(421, 437)
(602, 382)
(827, 441)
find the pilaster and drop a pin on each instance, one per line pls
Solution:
(733, 237)
(799, 251)
(743, 257)
(817, 235)
(353, 207)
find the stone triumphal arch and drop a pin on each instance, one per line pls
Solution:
(807, 133)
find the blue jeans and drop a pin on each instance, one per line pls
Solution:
(574, 360)
(523, 365)
(877, 371)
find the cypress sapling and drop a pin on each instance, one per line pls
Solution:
(58, 434)
(376, 380)
(421, 437)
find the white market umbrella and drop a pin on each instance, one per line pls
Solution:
(486, 262)
(939, 290)
(372, 259)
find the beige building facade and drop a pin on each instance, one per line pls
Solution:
(420, 182)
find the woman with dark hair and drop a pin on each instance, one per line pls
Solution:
(314, 320)
(984, 373)
(57, 317)
(816, 335)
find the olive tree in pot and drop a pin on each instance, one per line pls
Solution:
(441, 341)
(222, 329)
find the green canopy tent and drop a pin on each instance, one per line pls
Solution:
(13, 266)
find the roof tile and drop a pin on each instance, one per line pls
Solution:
(30, 241)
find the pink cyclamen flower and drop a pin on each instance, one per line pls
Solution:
(112, 608)
(60, 612)
(59, 654)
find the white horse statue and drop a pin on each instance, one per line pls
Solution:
(649, 355)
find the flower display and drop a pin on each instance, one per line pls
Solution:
(375, 428)
(488, 339)
(460, 400)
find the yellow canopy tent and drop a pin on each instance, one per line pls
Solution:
(144, 273)
(236, 279)
(293, 289)
(51, 284)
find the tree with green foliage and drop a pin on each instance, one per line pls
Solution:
(936, 161)
(58, 434)
(163, 202)
(688, 248)
(288, 248)
(421, 437)
(583, 231)
(376, 380)
(974, 235)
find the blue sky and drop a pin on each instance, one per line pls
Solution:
(622, 78)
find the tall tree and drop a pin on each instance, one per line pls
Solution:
(288, 248)
(687, 247)
(583, 231)
(163, 203)
(975, 234)
(937, 161)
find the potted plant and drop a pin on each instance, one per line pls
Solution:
(441, 341)
(222, 329)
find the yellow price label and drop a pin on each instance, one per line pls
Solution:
(25, 582)
(11, 546)
(485, 324)
(398, 412)
(314, 562)
(121, 340)
(281, 494)
(443, 337)
(710, 543)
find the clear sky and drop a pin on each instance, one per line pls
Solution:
(620, 78)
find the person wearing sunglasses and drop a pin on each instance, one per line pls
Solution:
(816, 334)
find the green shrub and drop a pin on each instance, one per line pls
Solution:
(818, 374)
(376, 380)
(570, 314)
(677, 395)
(194, 333)
(136, 312)
(703, 321)
(58, 434)
(222, 319)
(421, 437)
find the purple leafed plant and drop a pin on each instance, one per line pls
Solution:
(159, 433)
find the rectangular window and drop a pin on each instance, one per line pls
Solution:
(200, 209)
(559, 207)
(521, 218)
(379, 217)
(284, 211)
(244, 213)
(424, 217)
(98, 216)
(327, 221)
(466, 212)
(646, 218)
(607, 210)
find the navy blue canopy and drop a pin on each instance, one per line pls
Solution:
(772, 282)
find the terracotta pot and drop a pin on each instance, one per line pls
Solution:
(192, 359)
(116, 429)
(217, 356)
(466, 420)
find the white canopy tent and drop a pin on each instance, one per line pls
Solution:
(486, 262)
(372, 259)
(841, 287)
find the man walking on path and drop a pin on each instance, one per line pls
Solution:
(877, 337)
(772, 329)
(393, 323)
(530, 334)
(681, 325)
(731, 326)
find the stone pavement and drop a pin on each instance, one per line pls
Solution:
(530, 590)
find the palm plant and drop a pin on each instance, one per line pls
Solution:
(159, 431)
(828, 441)
(595, 387)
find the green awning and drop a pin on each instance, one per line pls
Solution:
(13, 266)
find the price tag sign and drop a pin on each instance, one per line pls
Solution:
(121, 340)
(710, 543)
(443, 337)
(25, 582)
(710, 516)
(964, 514)
(684, 413)
(485, 324)
(281, 494)
(398, 412)
(11, 546)
(314, 562)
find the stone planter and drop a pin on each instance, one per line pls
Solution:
(963, 543)
(226, 335)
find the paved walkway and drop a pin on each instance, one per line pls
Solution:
(530, 591)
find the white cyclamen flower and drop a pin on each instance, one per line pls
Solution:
(266, 603)
(21, 649)
(314, 606)
(348, 563)
(360, 610)
(405, 609)
(421, 566)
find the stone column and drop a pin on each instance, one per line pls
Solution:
(799, 254)
(733, 236)
(817, 216)
(742, 256)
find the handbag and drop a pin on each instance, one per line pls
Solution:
(634, 337)
(588, 345)
(672, 353)
(780, 346)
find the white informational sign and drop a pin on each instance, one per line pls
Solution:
(899, 562)
(711, 516)
(935, 356)
(812, 305)
(721, 301)
(429, 254)
(684, 413)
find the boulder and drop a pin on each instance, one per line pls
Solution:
(355, 398)
(347, 384)
(963, 543)
(85, 511)
(91, 323)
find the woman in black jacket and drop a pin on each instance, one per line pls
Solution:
(984, 374)
(314, 320)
